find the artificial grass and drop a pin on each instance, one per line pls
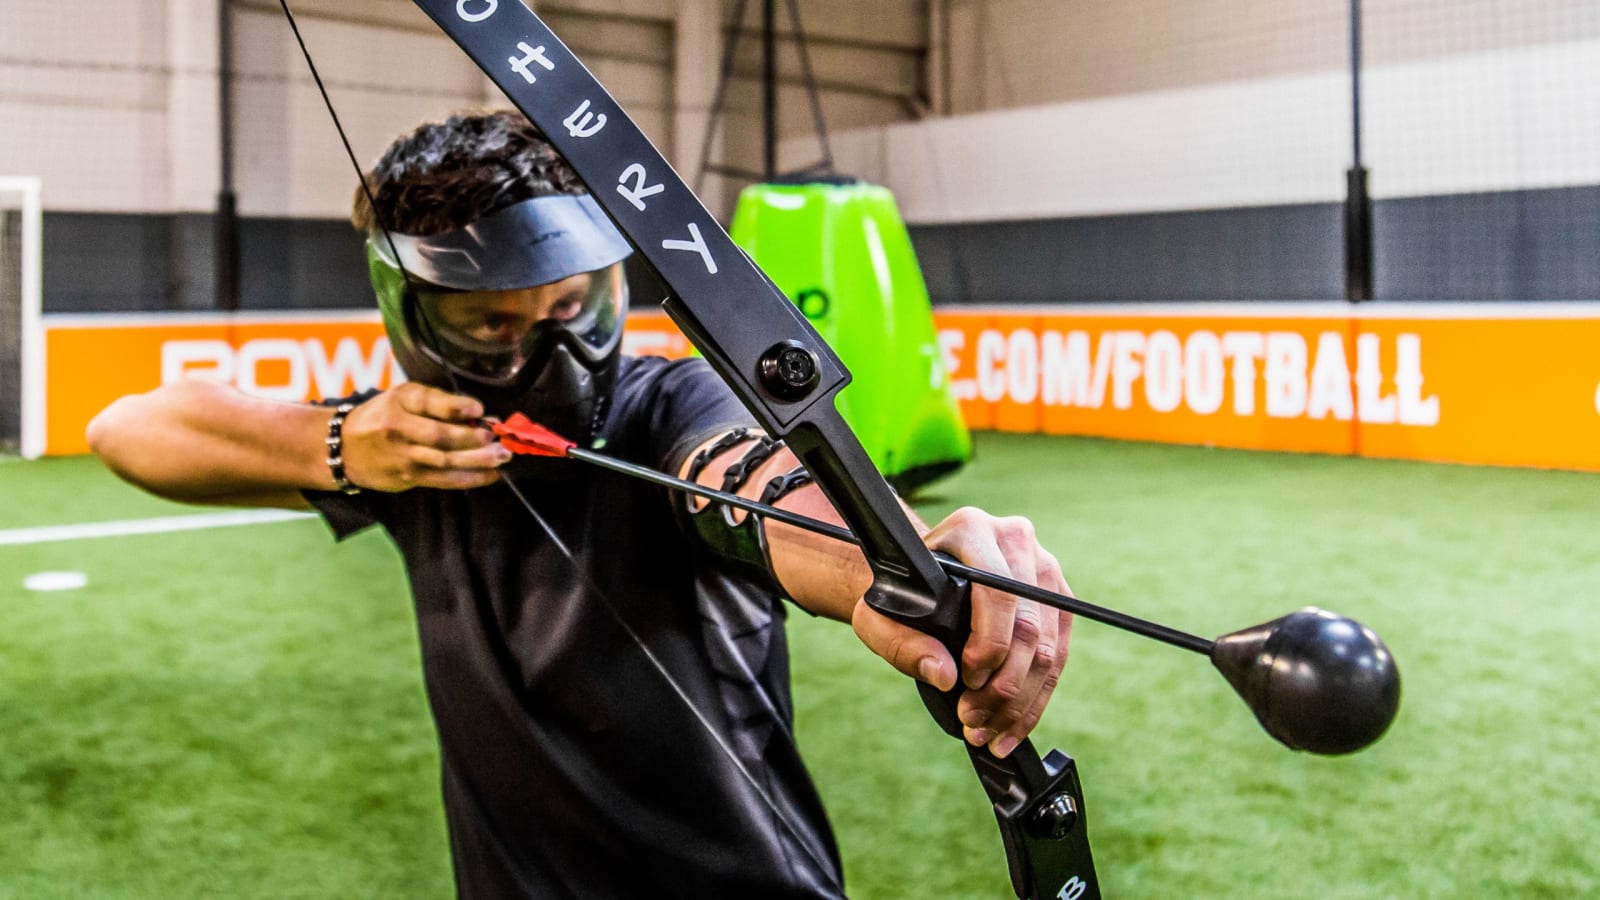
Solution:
(234, 713)
(239, 713)
(1485, 583)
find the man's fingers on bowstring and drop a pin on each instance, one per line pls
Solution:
(434, 403)
(910, 651)
(443, 479)
(484, 458)
(473, 467)
(455, 479)
(435, 434)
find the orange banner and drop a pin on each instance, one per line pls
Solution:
(1503, 384)
(92, 360)
(1512, 384)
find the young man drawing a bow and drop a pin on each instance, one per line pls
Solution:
(611, 695)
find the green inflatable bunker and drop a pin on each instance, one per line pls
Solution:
(841, 253)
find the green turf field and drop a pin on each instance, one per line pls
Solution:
(238, 712)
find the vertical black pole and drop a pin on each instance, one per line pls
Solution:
(947, 84)
(769, 87)
(226, 227)
(1357, 202)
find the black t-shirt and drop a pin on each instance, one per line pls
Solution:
(572, 766)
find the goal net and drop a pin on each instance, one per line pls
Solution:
(21, 334)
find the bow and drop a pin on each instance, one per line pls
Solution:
(788, 377)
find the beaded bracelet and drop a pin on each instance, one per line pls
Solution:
(336, 449)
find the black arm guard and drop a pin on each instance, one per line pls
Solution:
(740, 472)
(783, 484)
(740, 543)
(723, 445)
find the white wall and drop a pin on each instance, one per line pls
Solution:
(1075, 107)
(384, 75)
(868, 60)
(87, 94)
(1011, 53)
(1476, 117)
(114, 103)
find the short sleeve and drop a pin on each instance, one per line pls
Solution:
(674, 406)
(348, 514)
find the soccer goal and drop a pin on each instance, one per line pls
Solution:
(21, 330)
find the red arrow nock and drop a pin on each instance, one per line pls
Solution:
(519, 434)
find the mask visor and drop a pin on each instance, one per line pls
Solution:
(492, 336)
(537, 241)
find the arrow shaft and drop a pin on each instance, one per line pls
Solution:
(984, 577)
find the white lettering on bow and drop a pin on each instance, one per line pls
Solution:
(489, 9)
(638, 192)
(582, 123)
(1073, 889)
(529, 55)
(695, 243)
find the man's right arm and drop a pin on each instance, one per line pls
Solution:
(202, 442)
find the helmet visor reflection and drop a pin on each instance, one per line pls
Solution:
(534, 241)
(493, 336)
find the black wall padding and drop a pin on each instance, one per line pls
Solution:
(1258, 253)
(1506, 245)
(100, 262)
(302, 264)
(1510, 245)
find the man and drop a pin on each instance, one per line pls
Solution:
(607, 669)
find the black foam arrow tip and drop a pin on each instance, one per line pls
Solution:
(1315, 680)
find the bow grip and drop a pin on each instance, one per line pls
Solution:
(1038, 803)
(945, 619)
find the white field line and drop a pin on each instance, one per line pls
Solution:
(53, 533)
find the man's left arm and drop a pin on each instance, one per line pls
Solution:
(1013, 659)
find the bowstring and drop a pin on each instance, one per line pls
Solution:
(361, 175)
(825, 867)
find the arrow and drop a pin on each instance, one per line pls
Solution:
(1315, 680)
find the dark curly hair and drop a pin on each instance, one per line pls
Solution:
(446, 175)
